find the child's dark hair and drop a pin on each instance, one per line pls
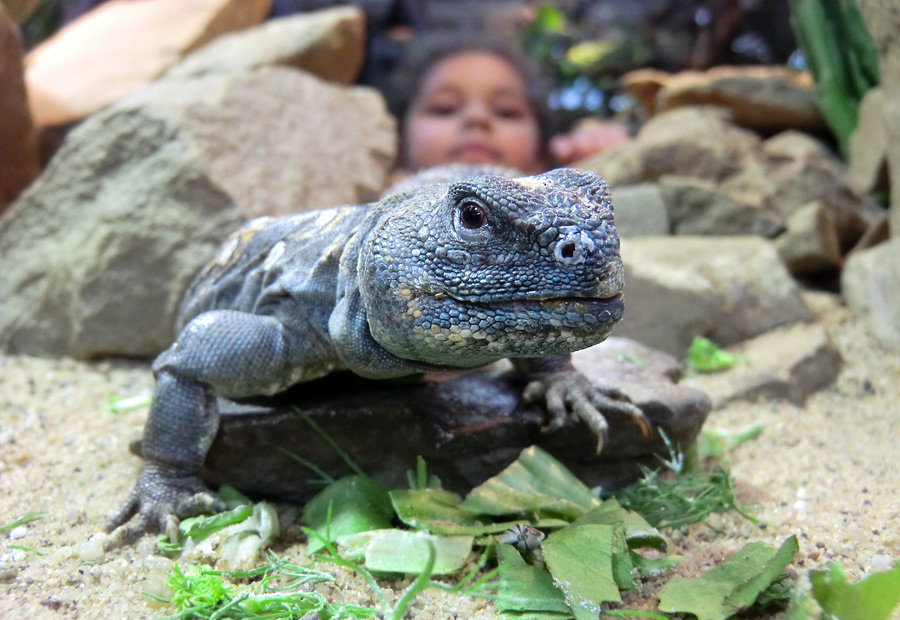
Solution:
(423, 53)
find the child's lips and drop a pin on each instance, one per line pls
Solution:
(475, 154)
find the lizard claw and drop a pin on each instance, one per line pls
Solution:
(161, 497)
(569, 395)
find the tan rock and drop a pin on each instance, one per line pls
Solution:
(98, 250)
(764, 98)
(790, 363)
(883, 23)
(692, 140)
(726, 288)
(810, 244)
(870, 284)
(18, 145)
(119, 47)
(329, 44)
(644, 84)
(868, 143)
(802, 169)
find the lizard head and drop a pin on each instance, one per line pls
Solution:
(464, 273)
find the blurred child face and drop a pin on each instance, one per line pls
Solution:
(472, 108)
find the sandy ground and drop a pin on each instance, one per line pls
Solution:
(828, 472)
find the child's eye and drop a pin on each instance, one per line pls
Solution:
(441, 108)
(509, 112)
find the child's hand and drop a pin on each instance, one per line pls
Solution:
(587, 138)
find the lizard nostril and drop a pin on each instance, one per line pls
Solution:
(568, 249)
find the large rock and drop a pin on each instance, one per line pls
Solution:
(119, 47)
(802, 169)
(695, 141)
(812, 243)
(725, 288)
(329, 44)
(868, 143)
(764, 98)
(99, 249)
(883, 23)
(467, 427)
(719, 179)
(18, 144)
(870, 284)
(700, 207)
(641, 211)
(789, 363)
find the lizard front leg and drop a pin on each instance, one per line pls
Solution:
(567, 393)
(220, 352)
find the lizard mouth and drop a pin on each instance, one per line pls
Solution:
(570, 309)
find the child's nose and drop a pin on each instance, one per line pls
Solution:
(477, 113)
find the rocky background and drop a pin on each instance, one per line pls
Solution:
(126, 161)
(731, 208)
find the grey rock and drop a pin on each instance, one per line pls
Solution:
(719, 179)
(329, 44)
(700, 207)
(801, 170)
(691, 140)
(790, 364)
(883, 23)
(725, 288)
(811, 243)
(640, 211)
(868, 143)
(97, 252)
(468, 428)
(870, 284)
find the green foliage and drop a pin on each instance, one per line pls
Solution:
(705, 356)
(731, 587)
(580, 559)
(825, 594)
(202, 527)
(681, 500)
(402, 551)
(123, 404)
(716, 443)
(25, 519)
(350, 505)
(527, 590)
(420, 480)
(535, 483)
(841, 57)
(202, 593)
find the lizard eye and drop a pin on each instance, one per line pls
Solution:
(471, 214)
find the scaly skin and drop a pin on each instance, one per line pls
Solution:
(439, 277)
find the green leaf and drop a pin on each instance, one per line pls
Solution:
(535, 483)
(400, 551)
(746, 594)
(350, 505)
(622, 567)
(873, 598)
(705, 356)
(580, 558)
(730, 587)
(638, 532)
(439, 512)
(425, 509)
(653, 567)
(198, 528)
(28, 517)
(526, 591)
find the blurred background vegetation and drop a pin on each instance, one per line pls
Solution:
(584, 46)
